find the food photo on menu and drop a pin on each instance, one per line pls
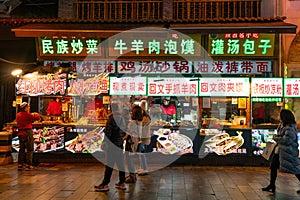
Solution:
(46, 139)
(88, 142)
(172, 142)
(225, 142)
(260, 137)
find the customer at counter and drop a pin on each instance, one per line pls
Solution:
(25, 135)
(168, 110)
(55, 107)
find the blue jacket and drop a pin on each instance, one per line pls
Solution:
(287, 141)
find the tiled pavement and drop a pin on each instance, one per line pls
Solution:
(76, 181)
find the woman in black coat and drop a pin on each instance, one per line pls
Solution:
(286, 156)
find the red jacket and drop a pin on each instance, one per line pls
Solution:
(54, 108)
(24, 121)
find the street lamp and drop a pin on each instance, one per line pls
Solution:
(17, 72)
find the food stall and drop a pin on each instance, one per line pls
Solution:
(84, 110)
(200, 99)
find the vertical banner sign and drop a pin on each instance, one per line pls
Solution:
(291, 87)
(266, 87)
(127, 86)
(235, 87)
(173, 86)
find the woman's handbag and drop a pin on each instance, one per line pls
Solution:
(269, 150)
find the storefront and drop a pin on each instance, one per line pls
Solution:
(207, 78)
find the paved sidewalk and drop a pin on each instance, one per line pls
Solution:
(76, 181)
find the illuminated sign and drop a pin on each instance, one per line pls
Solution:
(164, 44)
(91, 86)
(50, 84)
(172, 86)
(64, 46)
(266, 99)
(87, 68)
(224, 87)
(155, 67)
(266, 87)
(241, 44)
(232, 67)
(127, 86)
(291, 87)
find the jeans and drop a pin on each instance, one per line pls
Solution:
(26, 148)
(143, 161)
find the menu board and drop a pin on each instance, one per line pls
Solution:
(179, 86)
(260, 137)
(291, 87)
(225, 142)
(82, 139)
(266, 87)
(224, 87)
(127, 85)
(172, 142)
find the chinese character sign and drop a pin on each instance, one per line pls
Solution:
(160, 43)
(91, 86)
(232, 67)
(69, 46)
(291, 87)
(127, 86)
(50, 84)
(224, 87)
(86, 67)
(241, 44)
(266, 87)
(155, 67)
(173, 86)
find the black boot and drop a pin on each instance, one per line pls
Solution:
(270, 188)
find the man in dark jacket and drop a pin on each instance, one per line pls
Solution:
(114, 132)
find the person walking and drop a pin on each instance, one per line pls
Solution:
(114, 133)
(25, 135)
(133, 139)
(286, 153)
(145, 139)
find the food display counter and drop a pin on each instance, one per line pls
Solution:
(63, 138)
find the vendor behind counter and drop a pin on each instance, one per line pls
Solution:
(55, 107)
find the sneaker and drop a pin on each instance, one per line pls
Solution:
(145, 173)
(130, 179)
(20, 167)
(29, 167)
(101, 188)
(142, 172)
(120, 186)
